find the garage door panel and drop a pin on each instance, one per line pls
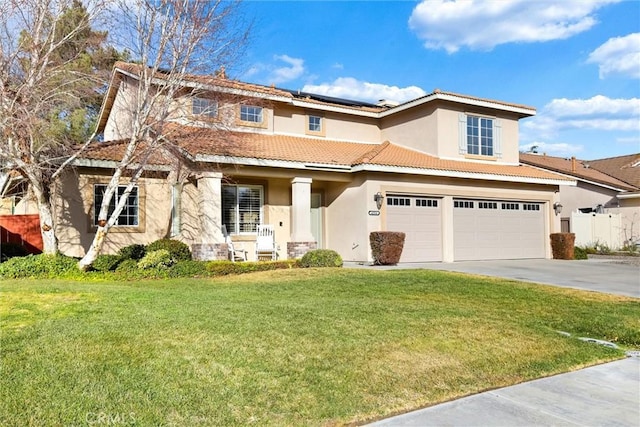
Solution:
(497, 230)
(422, 226)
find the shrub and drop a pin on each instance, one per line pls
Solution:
(386, 246)
(11, 250)
(178, 250)
(127, 266)
(223, 268)
(135, 251)
(580, 253)
(562, 245)
(321, 258)
(40, 266)
(106, 262)
(188, 269)
(156, 259)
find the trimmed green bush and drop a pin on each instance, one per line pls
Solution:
(321, 258)
(135, 251)
(40, 266)
(127, 266)
(178, 250)
(160, 258)
(580, 253)
(189, 268)
(106, 262)
(223, 268)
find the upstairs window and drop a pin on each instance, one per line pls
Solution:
(251, 114)
(315, 124)
(129, 215)
(204, 107)
(479, 136)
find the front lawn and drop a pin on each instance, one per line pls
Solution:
(288, 347)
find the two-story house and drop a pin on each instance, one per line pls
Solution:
(325, 172)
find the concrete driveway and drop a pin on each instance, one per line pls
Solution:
(608, 276)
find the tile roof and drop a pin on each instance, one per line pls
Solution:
(625, 168)
(582, 169)
(202, 142)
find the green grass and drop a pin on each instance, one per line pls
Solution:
(288, 347)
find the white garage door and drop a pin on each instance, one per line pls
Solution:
(489, 229)
(420, 218)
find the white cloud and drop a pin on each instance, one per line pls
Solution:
(350, 88)
(294, 70)
(596, 113)
(482, 24)
(559, 149)
(618, 55)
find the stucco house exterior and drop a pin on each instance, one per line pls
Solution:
(604, 186)
(325, 172)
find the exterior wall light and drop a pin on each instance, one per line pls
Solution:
(378, 198)
(557, 208)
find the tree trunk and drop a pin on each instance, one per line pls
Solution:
(47, 226)
(94, 249)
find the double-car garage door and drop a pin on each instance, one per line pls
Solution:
(482, 229)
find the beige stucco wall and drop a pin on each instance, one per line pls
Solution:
(416, 128)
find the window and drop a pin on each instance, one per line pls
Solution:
(479, 136)
(129, 215)
(315, 124)
(426, 203)
(463, 204)
(398, 201)
(241, 208)
(530, 206)
(487, 205)
(204, 107)
(511, 206)
(250, 113)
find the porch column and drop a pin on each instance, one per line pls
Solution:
(302, 239)
(212, 244)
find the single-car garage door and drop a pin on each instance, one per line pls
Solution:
(420, 218)
(490, 229)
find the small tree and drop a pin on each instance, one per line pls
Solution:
(52, 67)
(172, 40)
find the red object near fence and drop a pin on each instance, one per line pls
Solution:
(23, 230)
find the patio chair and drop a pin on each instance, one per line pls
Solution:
(266, 243)
(235, 253)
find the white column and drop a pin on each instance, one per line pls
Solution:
(301, 210)
(447, 229)
(210, 187)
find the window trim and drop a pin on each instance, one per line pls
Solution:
(308, 130)
(263, 116)
(204, 114)
(91, 208)
(463, 140)
(236, 226)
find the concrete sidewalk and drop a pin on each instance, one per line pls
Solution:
(604, 395)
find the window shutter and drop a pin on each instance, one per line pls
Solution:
(462, 133)
(497, 138)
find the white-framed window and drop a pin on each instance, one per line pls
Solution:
(315, 124)
(204, 107)
(129, 217)
(242, 208)
(480, 136)
(251, 113)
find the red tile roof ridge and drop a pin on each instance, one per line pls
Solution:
(477, 98)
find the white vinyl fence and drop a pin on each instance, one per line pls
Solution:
(597, 228)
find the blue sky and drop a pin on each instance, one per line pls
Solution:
(576, 61)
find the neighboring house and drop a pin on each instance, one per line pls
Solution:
(443, 168)
(608, 186)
